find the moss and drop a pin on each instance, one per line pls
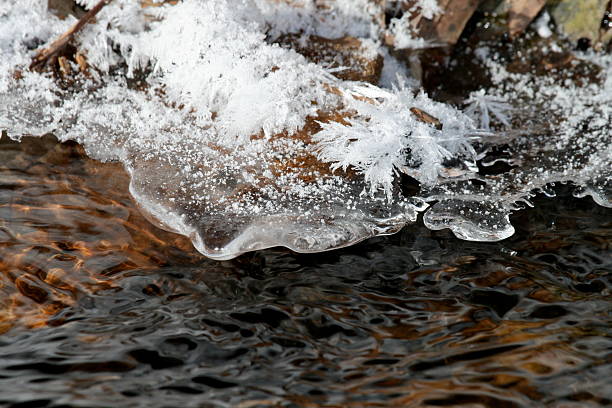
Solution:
(578, 19)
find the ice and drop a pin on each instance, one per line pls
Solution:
(403, 29)
(472, 219)
(385, 137)
(482, 108)
(241, 144)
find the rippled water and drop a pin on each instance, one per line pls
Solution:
(98, 308)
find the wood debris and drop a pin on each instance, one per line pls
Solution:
(425, 117)
(60, 45)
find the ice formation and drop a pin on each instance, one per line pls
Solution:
(403, 29)
(241, 143)
(384, 136)
(565, 136)
(483, 108)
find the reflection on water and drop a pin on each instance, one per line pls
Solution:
(98, 308)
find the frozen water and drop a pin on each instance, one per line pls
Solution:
(483, 108)
(241, 144)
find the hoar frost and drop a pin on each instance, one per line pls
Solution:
(484, 108)
(242, 144)
(384, 136)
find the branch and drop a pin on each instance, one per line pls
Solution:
(41, 59)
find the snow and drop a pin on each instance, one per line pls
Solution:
(211, 57)
(542, 25)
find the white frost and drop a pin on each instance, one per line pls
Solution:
(384, 136)
(483, 108)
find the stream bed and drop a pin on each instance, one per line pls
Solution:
(98, 308)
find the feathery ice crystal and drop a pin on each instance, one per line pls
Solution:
(385, 137)
(482, 108)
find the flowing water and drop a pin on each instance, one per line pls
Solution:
(98, 308)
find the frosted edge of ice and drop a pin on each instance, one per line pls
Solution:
(302, 237)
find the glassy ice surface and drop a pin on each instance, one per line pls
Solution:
(242, 145)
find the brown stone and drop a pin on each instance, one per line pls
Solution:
(579, 19)
(65, 8)
(346, 52)
(447, 27)
(521, 13)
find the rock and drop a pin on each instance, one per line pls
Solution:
(492, 6)
(521, 13)
(578, 19)
(448, 26)
(517, 13)
(362, 61)
(65, 8)
(606, 28)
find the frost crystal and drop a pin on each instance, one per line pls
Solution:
(325, 18)
(404, 29)
(482, 108)
(384, 136)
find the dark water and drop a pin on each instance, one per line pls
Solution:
(100, 309)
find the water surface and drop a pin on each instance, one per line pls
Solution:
(98, 308)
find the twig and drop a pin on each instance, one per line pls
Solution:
(41, 59)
